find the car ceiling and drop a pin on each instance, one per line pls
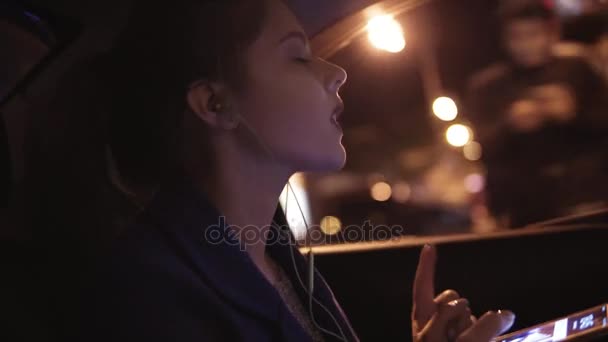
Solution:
(314, 14)
(101, 20)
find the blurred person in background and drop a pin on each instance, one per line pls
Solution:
(540, 119)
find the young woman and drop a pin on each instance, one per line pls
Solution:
(208, 107)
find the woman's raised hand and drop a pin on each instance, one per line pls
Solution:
(447, 317)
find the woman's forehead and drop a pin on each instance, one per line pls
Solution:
(280, 20)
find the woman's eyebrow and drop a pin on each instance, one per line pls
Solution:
(294, 35)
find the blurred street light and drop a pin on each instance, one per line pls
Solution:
(445, 108)
(331, 225)
(458, 135)
(472, 151)
(385, 33)
(474, 183)
(381, 191)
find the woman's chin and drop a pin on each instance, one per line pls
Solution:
(329, 162)
(340, 160)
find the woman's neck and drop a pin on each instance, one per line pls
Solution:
(246, 192)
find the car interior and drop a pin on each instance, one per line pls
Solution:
(546, 269)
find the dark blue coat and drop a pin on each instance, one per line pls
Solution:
(178, 276)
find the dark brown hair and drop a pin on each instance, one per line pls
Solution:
(130, 102)
(154, 61)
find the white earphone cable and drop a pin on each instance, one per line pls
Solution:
(309, 292)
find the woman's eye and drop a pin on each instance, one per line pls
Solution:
(303, 60)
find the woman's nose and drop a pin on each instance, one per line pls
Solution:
(336, 77)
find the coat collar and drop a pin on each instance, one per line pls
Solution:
(190, 220)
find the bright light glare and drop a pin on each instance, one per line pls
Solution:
(381, 192)
(295, 218)
(458, 135)
(445, 108)
(331, 225)
(385, 33)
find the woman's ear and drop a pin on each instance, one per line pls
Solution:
(208, 102)
(198, 97)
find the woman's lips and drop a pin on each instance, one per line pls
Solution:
(335, 116)
(334, 120)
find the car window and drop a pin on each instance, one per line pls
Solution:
(29, 38)
(438, 128)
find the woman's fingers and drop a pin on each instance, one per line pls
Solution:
(424, 287)
(447, 296)
(458, 325)
(461, 325)
(488, 326)
(447, 316)
(440, 327)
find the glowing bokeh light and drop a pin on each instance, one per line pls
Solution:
(472, 151)
(474, 183)
(331, 225)
(445, 108)
(385, 33)
(458, 135)
(381, 191)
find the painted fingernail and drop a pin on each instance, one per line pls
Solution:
(508, 315)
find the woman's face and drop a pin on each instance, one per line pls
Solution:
(291, 98)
